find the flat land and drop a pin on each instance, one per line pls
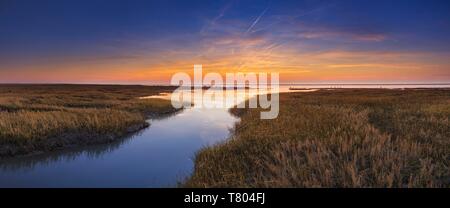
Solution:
(41, 118)
(336, 138)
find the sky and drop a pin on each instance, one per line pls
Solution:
(146, 42)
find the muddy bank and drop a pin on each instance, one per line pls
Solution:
(78, 139)
(67, 140)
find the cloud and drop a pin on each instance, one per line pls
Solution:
(213, 22)
(337, 35)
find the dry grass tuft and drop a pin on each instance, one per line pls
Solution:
(340, 138)
(38, 118)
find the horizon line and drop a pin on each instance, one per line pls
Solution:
(138, 84)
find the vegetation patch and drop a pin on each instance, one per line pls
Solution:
(336, 138)
(40, 118)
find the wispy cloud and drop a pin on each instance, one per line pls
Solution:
(221, 14)
(337, 34)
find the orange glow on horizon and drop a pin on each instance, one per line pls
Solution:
(329, 66)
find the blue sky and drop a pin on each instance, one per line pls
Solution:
(112, 41)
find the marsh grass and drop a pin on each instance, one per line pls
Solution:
(336, 138)
(39, 118)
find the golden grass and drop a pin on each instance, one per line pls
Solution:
(338, 138)
(37, 118)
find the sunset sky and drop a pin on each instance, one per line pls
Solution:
(145, 42)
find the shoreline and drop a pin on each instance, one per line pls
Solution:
(69, 141)
(341, 130)
(73, 140)
(36, 119)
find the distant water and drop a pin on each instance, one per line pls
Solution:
(365, 86)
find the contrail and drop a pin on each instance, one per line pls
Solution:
(256, 20)
(223, 10)
(295, 16)
(217, 18)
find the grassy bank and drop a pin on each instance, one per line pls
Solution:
(39, 118)
(336, 138)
